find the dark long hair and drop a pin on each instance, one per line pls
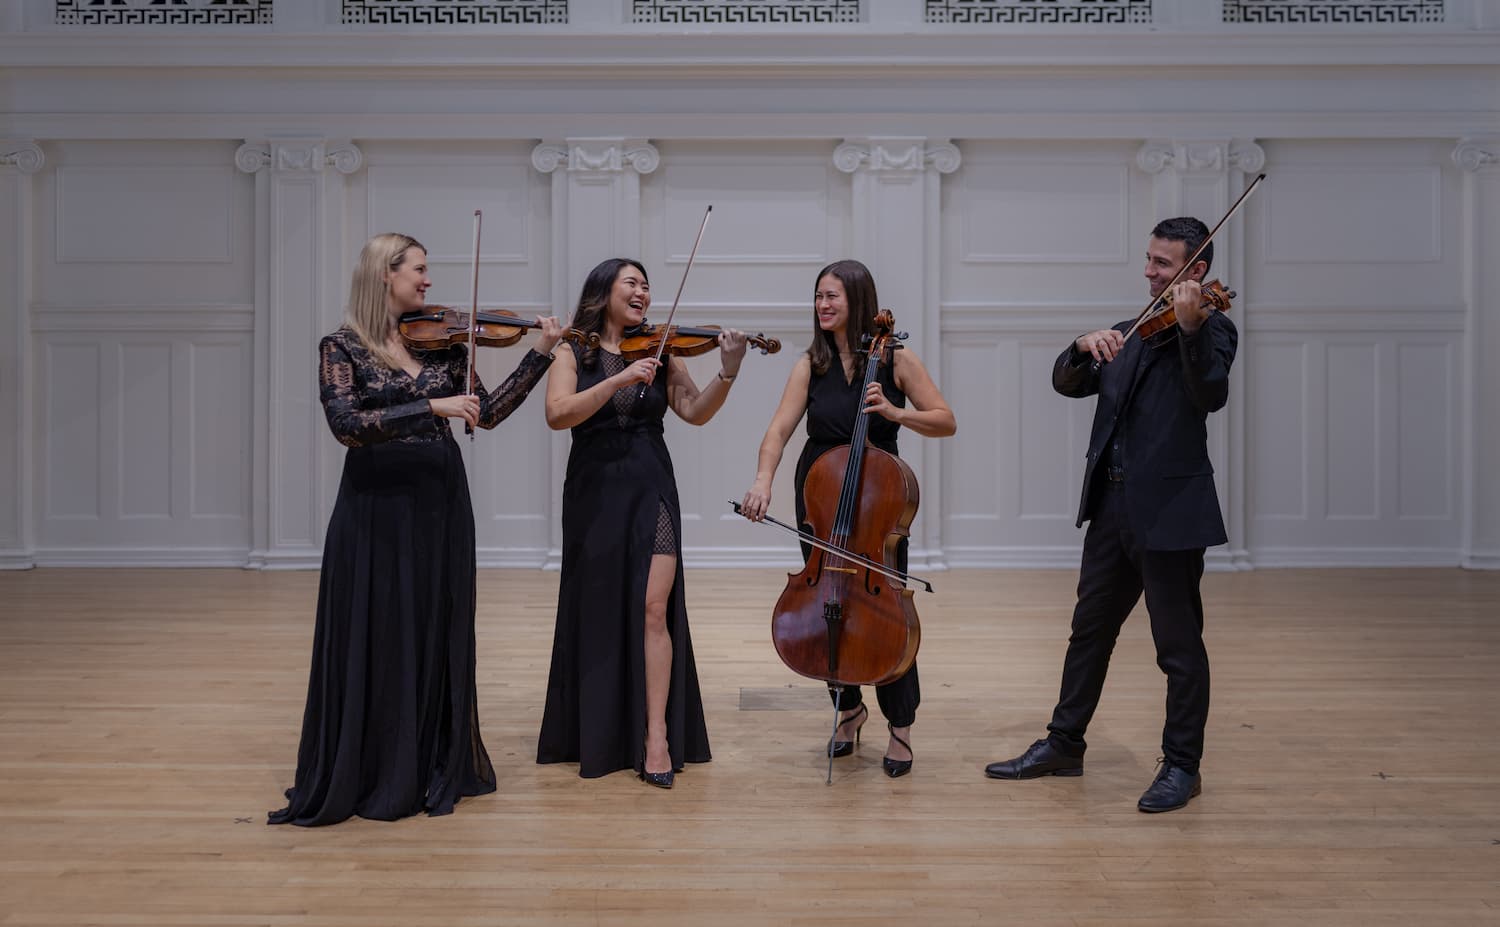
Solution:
(594, 300)
(859, 293)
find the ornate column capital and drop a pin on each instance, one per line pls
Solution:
(1196, 156)
(912, 155)
(596, 155)
(25, 155)
(1477, 154)
(298, 156)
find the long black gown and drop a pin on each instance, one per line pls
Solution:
(391, 726)
(833, 406)
(619, 507)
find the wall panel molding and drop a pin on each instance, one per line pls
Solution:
(599, 137)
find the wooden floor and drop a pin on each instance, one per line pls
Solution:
(149, 719)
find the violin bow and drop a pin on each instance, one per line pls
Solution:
(1153, 307)
(473, 318)
(662, 348)
(823, 545)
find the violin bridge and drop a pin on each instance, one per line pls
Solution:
(833, 569)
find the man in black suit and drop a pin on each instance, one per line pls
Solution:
(1149, 498)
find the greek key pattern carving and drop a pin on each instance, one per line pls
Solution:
(162, 12)
(454, 12)
(1045, 12)
(1334, 11)
(744, 11)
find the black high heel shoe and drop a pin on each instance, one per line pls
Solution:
(897, 768)
(846, 747)
(662, 780)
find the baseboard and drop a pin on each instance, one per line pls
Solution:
(1481, 560)
(511, 558)
(1012, 558)
(779, 557)
(142, 557)
(17, 559)
(302, 558)
(1329, 557)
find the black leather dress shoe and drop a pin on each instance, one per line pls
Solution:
(1040, 759)
(1172, 789)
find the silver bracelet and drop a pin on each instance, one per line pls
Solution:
(726, 379)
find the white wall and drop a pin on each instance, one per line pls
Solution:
(182, 205)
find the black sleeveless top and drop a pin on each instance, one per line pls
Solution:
(833, 403)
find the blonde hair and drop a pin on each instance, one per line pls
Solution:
(367, 314)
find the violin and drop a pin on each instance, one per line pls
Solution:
(1215, 296)
(437, 327)
(647, 340)
(844, 618)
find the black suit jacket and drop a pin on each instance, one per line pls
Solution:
(1158, 400)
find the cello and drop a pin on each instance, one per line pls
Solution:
(847, 617)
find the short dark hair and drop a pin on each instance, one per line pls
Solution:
(1191, 233)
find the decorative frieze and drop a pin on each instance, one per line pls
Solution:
(1474, 154)
(1361, 12)
(298, 156)
(597, 156)
(1200, 156)
(911, 155)
(454, 12)
(745, 11)
(24, 156)
(1031, 12)
(163, 13)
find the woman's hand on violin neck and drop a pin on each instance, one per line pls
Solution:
(757, 501)
(464, 407)
(1102, 345)
(552, 332)
(732, 344)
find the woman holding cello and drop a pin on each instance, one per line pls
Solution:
(623, 690)
(390, 726)
(826, 385)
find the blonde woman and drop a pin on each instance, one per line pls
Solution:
(391, 727)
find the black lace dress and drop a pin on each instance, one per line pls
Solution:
(391, 726)
(619, 507)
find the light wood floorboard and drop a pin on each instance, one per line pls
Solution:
(149, 719)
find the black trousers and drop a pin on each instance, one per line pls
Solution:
(1116, 570)
(898, 700)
